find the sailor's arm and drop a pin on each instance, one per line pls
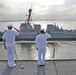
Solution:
(48, 35)
(17, 30)
(4, 43)
(36, 43)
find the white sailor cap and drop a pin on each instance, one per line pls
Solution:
(10, 25)
(42, 30)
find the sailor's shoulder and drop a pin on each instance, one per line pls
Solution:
(13, 31)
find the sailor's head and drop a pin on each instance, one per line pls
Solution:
(42, 31)
(10, 26)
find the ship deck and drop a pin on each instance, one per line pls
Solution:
(62, 66)
(55, 67)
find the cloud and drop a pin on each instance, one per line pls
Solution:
(64, 12)
(2, 5)
(12, 10)
(70, 2)
(58, 12)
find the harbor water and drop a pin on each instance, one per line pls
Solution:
(56, 50)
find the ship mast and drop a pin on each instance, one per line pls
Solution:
(28, 20)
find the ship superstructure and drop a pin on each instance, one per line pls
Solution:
(28, 31)
(60, 33)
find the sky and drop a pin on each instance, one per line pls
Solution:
(47, 10)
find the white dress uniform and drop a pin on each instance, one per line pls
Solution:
(9, 36)
(40, 43)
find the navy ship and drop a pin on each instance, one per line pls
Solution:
(29, 32)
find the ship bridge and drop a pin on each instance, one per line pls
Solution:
(52, 27)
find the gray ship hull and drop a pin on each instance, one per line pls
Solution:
(55, 36)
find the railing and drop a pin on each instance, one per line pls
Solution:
(56, 50)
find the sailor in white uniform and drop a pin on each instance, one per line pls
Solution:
(40, 43)
(9, 43)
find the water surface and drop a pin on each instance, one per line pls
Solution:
(55, 50)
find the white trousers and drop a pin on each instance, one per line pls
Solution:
(41, 56)
(10, 52)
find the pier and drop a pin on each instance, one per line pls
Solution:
(62, 67)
